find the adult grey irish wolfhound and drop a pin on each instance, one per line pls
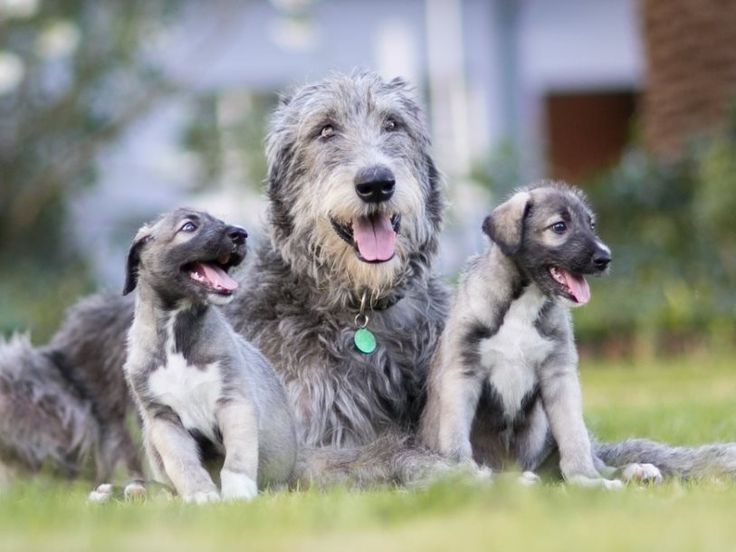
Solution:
(341, 299)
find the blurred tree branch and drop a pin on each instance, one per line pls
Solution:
(69, 104)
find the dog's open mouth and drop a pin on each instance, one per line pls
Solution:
(373, 236)
(213, 274)
(572, 286)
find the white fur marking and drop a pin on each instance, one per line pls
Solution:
(642, 473)
(237, 486)
(190, 391)
(514, 352)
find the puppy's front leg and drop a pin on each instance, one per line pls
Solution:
(449, 413)
(239, 425)
(179, 455)
(564, 406)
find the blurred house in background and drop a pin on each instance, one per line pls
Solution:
(552, 81)
(111, 112)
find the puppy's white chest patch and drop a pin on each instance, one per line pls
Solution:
(190, 391)
(512, 355)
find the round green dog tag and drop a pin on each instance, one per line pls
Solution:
(365, 341)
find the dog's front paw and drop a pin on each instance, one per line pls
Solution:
(642, 473)
(595, 482)
(135, 491)
(237, 486)
(201, 497)
(528, 479)
(103, 493)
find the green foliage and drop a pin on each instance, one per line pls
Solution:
(82, 79)
(673, 234)
(225, 132)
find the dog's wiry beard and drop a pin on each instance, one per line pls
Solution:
(324, 140)
(315, 249)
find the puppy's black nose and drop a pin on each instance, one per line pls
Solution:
(237, 234)
(375, 184)
(601, 259)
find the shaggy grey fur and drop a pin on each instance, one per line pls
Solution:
(67, 402)
(306, 284)
(304, 287)
(44, 421)
(203, 392)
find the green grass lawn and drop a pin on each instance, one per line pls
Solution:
(689, 401)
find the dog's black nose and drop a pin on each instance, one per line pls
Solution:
(601, 259)
(375, 184)
(237, 234)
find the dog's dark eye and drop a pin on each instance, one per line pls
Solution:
(328, 131)
(559, 227)
(593, 225)
(188, 227)
(390, 125)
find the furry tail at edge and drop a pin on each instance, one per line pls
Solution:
(700, 461)
(44, 423)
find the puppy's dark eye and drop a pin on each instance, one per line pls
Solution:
(593, 225)
(327, 132)
(559, 227)
(390, 125)
(188, 227)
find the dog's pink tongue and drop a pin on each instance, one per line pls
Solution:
(375, 237)
(217, 277)
(578, 287)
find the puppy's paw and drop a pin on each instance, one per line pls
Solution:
(135, 491)
(103, 493)
(642, 473)
(237, 486)
(528, 479)
(201, 497)
(595, 482)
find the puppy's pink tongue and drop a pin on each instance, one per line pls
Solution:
(578, 287)
(216, 277)
(375, 237)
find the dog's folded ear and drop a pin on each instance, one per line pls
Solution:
(134, 259)
(505, 225)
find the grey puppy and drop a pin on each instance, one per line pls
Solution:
(200, 387)
(504, 386)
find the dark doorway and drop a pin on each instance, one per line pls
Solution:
(586, 131)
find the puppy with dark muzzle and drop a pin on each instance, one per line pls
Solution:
(201, 389)
(503, 385)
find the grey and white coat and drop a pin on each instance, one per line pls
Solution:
(202, 390)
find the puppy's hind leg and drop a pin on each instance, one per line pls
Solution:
(179, 457)
(239, 426)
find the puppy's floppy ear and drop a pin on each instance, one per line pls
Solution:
(134, 258)
(505, 225)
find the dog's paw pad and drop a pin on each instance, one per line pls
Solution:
(528, 479)
(237, 486)
(103, 493)
(642, 473)
(135, 491)
(201, 497)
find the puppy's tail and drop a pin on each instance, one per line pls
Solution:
(391, 460)
(702, 461)
(43, 421)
